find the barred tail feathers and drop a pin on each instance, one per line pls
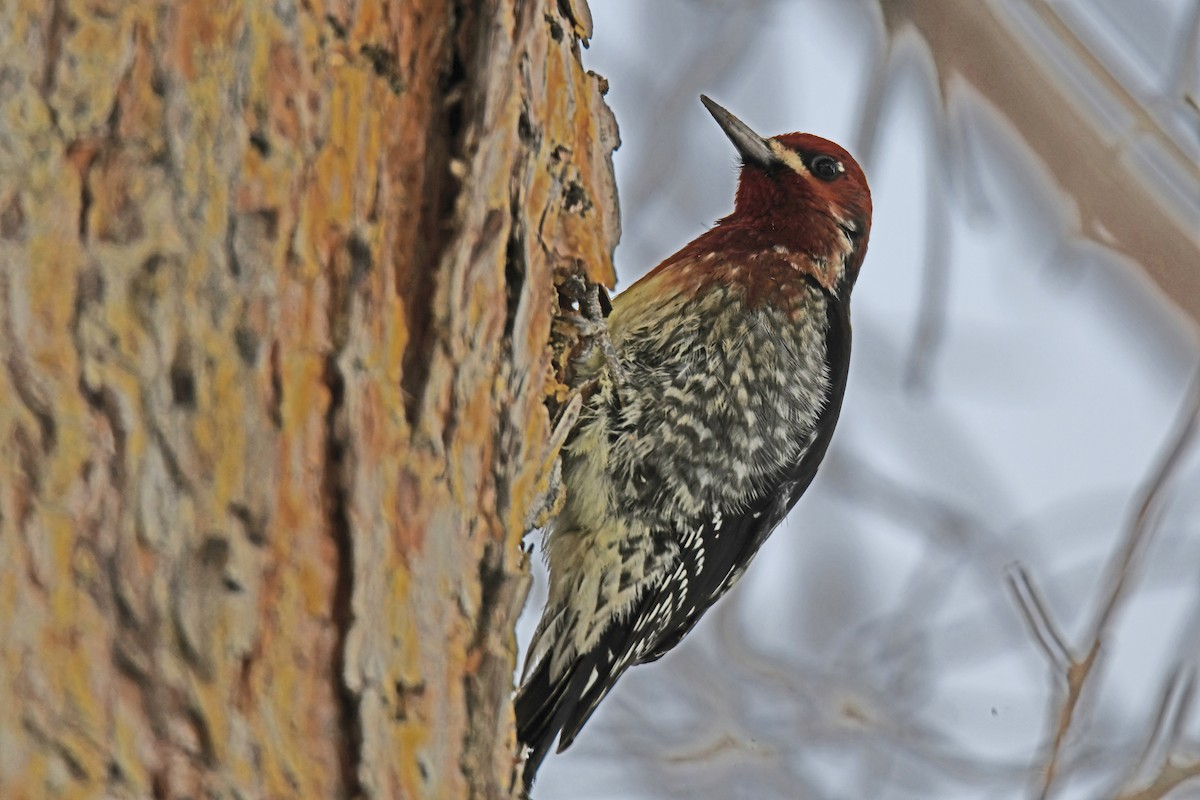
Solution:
(547, 708)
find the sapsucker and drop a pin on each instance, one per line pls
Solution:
(710, 409)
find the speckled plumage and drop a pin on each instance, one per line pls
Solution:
(730, 364)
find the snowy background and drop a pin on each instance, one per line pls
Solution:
(1013, 388)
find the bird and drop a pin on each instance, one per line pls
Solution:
(710, 402)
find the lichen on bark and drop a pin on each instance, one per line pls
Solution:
(277, 286)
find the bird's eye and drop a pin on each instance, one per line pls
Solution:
(825, 167)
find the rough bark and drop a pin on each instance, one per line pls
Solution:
(277, 284)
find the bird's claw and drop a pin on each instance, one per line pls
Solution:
(591, 321)
(596, 329)
(550, 497)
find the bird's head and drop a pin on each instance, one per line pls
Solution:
(805, 194)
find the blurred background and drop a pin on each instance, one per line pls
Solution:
(992, 590)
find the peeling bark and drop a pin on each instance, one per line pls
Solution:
(277, 286)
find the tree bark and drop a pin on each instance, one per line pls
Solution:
(277, 285)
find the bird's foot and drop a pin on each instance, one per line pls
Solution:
(590, 322)
(551, 495)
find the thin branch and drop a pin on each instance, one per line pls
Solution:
(1149, 509)
(1037, 617)
(878, 82)
(931, 314)
(1167, 731)
(1096, 69)
(1185, 698)
(1183, 75)
(1120, 574)
(1172, 776)
(982, 43)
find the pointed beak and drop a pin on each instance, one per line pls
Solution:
(753, 148)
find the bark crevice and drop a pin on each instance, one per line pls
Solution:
(336, 504)
(443, 170)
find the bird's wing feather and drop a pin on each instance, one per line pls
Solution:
(663, 615)
(544, 707)
(743, 532)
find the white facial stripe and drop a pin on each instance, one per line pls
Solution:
(845, 224)
(793, 160)
(789, 157)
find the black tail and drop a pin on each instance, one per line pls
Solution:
(542, 708)
(545, 709)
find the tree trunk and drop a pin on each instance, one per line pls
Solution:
(276, 292)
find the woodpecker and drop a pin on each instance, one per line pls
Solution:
(712, 402)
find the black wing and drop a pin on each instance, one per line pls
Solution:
(731, 542)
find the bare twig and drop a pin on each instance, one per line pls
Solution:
(1172, 776)
(931, 315)
(1149, 509)
(1184, 80)
(879, 80)
(1144, 121)
(1120, 573)
(982, 43)
(1184, 699)
(1167, 731)
(1037, 617)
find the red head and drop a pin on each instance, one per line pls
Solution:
(801, 194)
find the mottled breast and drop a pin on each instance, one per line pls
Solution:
(719, 396)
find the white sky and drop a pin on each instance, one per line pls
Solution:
(1054, 389)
